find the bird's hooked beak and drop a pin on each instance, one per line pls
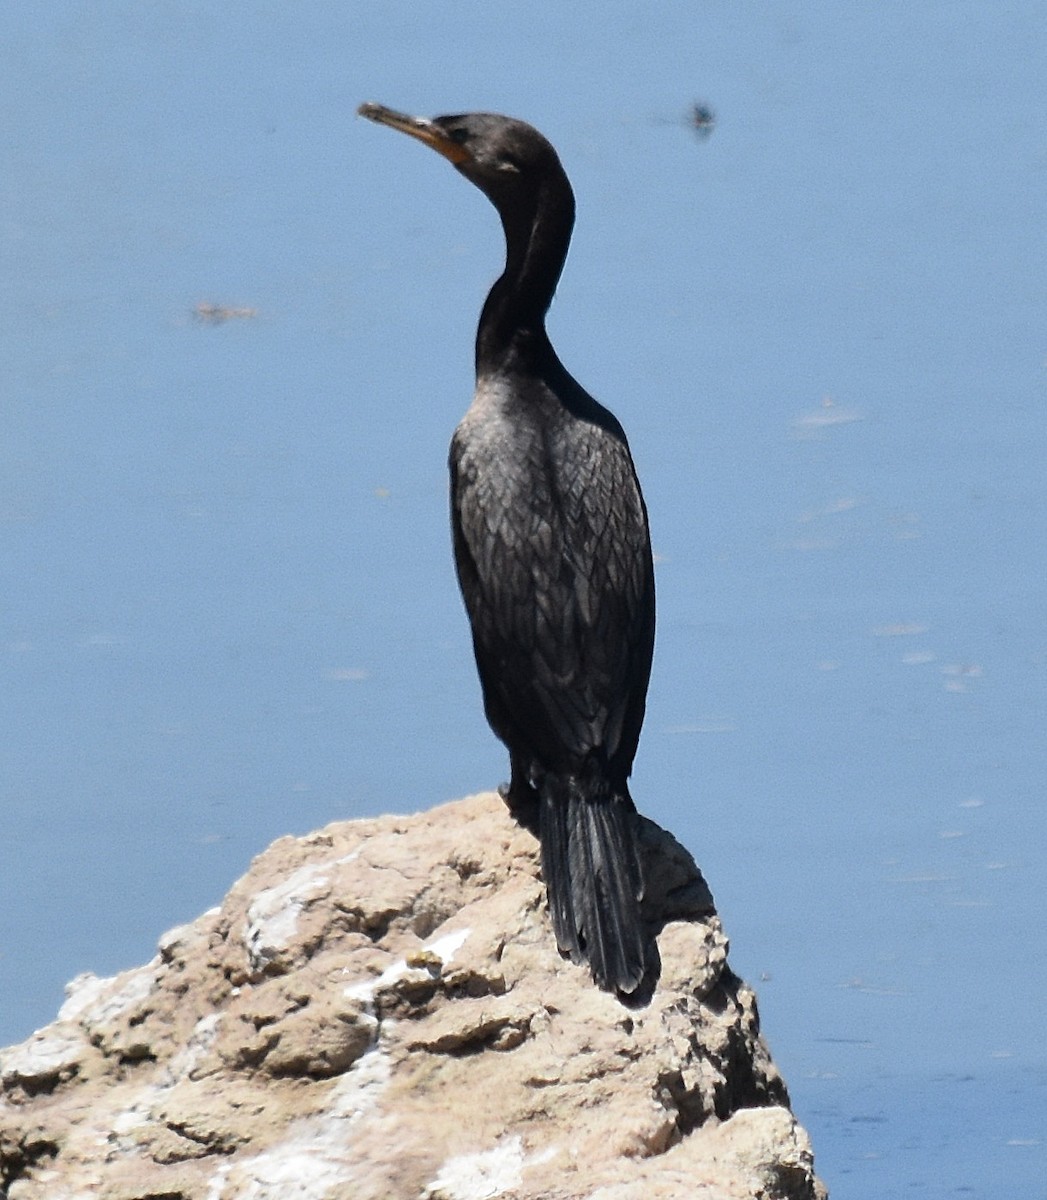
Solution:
(418, 127)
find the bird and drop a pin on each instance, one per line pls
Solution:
(553, 555)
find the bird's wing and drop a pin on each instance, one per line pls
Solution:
(554, 564)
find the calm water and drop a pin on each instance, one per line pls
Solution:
(228, 605)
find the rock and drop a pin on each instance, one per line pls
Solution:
(377, 1011)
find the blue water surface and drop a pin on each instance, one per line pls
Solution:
(227, 607)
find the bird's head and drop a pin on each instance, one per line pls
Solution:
(508, 160)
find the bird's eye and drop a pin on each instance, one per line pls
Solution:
(461, 136)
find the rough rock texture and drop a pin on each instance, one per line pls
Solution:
(378, 1011)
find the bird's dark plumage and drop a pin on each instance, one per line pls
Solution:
(554, 560)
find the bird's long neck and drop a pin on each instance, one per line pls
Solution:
(512, 324)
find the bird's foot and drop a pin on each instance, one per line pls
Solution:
(522, 802)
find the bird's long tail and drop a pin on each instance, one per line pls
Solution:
(594, 878)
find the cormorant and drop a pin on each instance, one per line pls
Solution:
(554, 561)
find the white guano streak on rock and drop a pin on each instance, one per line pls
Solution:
(313, 1160)
(197, 1045)
(447, 946)
(480, 1176)
(272, 917)
(443, 947)
(94, 1001)
(43, 1055)
(91, 1002)
(142, 1109)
